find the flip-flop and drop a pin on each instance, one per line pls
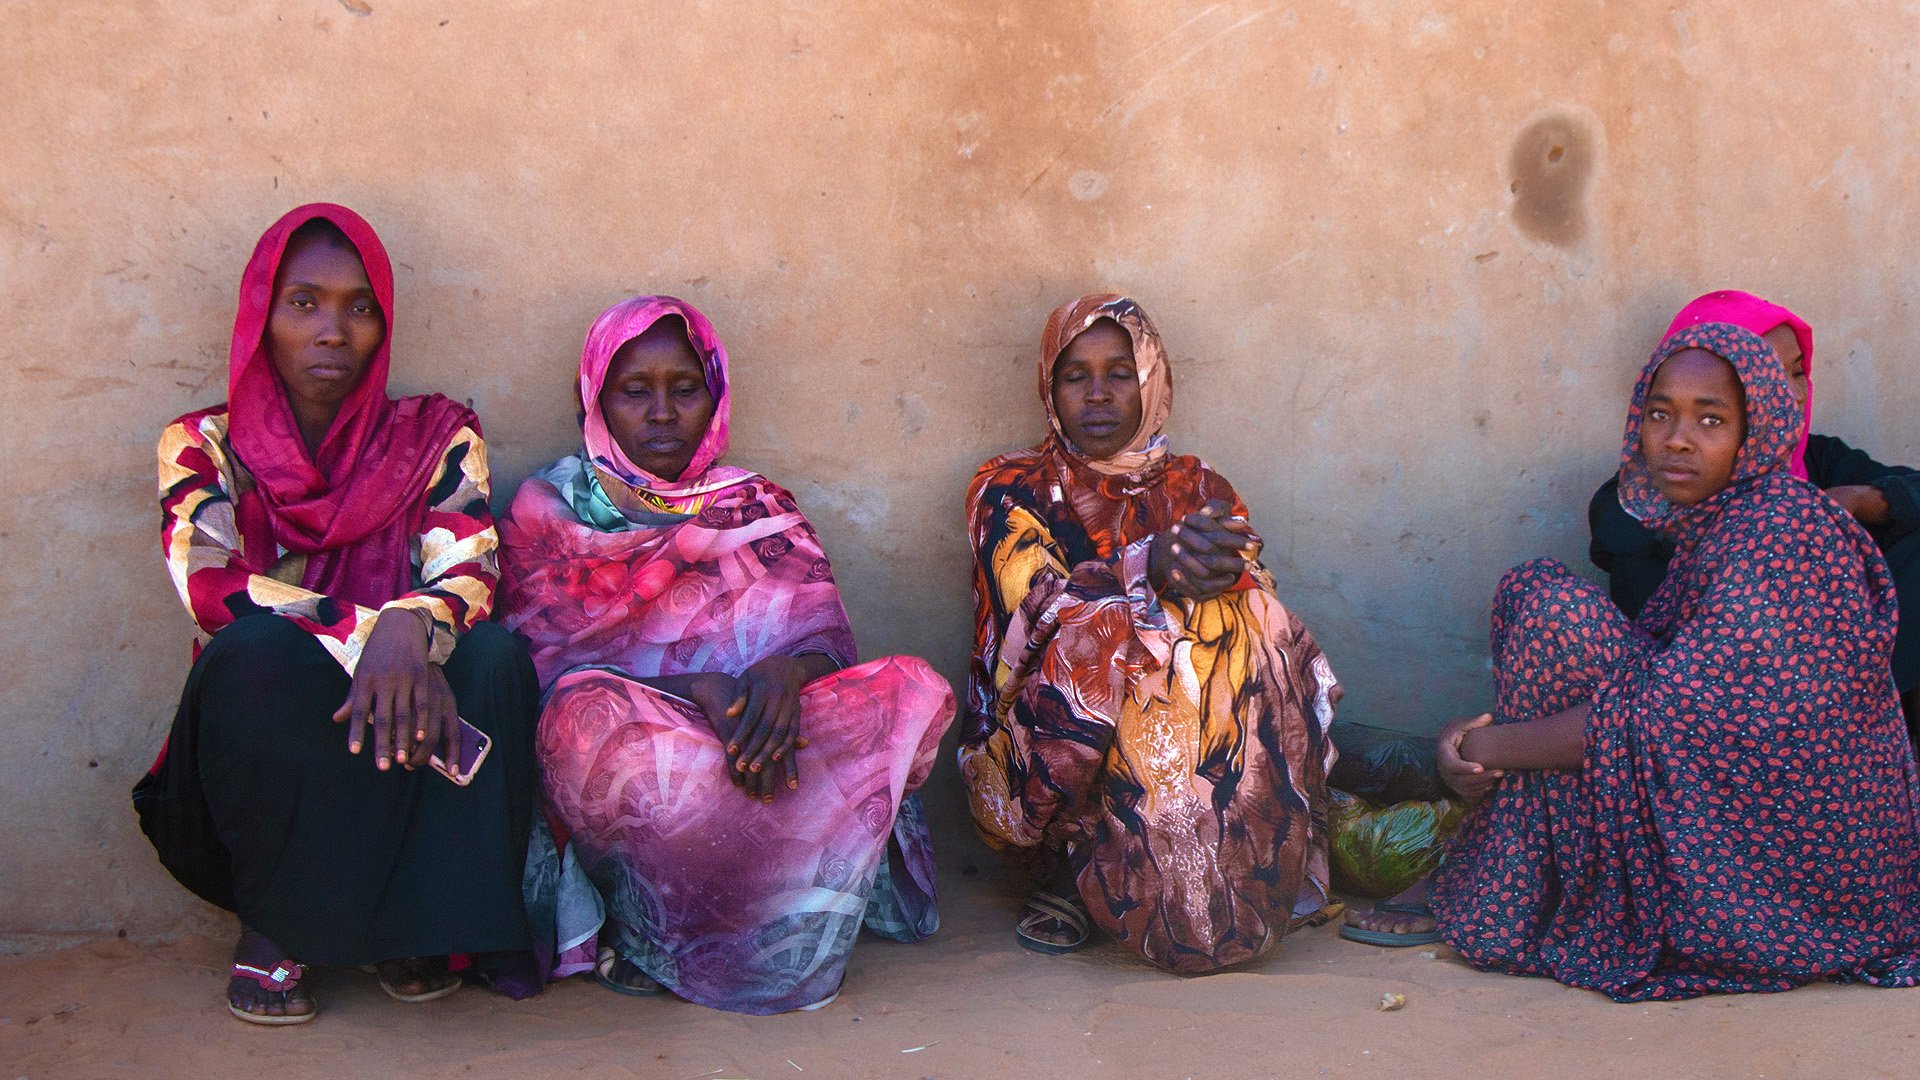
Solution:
(1388, 940)
(623, 976)
(284, 979)
(1331, 911)
(1044, 907)
(434, 994)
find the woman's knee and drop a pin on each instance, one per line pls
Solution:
(256, 638)
(264, 680)
(1526, 579)
(265, 655)
(1541, 586)
(491, 662)
(489, 643)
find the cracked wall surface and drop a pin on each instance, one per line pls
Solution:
(1406, 257)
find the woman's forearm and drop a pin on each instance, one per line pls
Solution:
(813, 666)
(1558, 742)
(685, 687)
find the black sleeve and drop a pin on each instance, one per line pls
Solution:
(1633, 557)
(1832, 463)
(1902, 489)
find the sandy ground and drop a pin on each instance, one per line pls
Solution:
(967, 1003)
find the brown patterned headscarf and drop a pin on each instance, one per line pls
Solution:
(1069, 321)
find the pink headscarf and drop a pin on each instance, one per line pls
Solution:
(354, 507)
(1759, 317)
(620, 324)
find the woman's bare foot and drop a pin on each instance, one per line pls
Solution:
(1402, 916)
(1397, 923)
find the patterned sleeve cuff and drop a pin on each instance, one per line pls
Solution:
(440, 636)
(1149, 615)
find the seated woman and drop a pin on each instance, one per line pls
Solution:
(730, 793)
(1719, 795)
(336, 550)
(1884, 498)
(1139, 697)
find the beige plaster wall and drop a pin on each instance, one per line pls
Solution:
(1407, 258)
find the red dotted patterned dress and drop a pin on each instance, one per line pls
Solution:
(1745, 817)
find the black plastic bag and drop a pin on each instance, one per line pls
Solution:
(1385, 766)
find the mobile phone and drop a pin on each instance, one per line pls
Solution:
(474, 745)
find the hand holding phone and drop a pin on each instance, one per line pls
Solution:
(474, 745)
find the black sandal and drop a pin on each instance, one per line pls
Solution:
(623, 976)
(439, 981)
(1046, 907)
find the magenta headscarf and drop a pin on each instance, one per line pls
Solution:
(352, 507)
(1751, 313)
(613, 328)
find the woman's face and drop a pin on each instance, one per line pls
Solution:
(655, 399)
(1791, 361)
(1692, 426)
(324, 325)
(1096, 390)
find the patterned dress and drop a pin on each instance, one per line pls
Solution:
(1179, 750)
(1747, 816)
(616, 577)
(1635, 557)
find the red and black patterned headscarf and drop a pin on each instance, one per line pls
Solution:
(1773, 422)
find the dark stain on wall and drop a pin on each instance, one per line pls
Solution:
(1550, 174)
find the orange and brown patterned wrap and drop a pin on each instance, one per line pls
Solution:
(1179, 749)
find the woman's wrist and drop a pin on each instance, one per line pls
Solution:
(1473, 745)
(426, 626)
(709, 686)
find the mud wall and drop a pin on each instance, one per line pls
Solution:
(1407, 258)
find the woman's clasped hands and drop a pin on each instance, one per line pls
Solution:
(757, 718)
(1203, 554)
